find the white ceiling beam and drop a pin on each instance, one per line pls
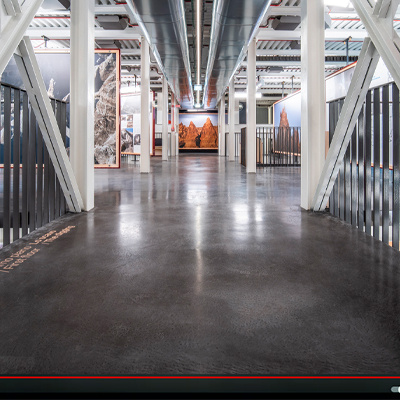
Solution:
(130, 52)
(277, 11)
(270, 85)
(131, 63)
(290, 52)
(126, 75)
(330, 34)
(114, 9)
(64, 33)
(267, 74)
(292, 63)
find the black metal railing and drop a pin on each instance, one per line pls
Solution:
(278, 146)
(30, 192)
(275, 146)
(366, 191)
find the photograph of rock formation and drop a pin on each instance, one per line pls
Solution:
(55, 69)
(287, 138)
(198, 131)
(106, 134)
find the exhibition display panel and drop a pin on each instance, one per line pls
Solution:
(55, 66)
(131, 137)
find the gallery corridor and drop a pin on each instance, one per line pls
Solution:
(198, 269)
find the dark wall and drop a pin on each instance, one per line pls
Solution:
(261, 114)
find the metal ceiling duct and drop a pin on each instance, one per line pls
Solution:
(164, 26)
(234, 25)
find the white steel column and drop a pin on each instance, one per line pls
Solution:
(219, 128)
(251, 164)
(176, 129)
(82, 98)
(173, 145)
(222, 126)
(231, 137)
(165, 120)
(312, 98)
(145, 108)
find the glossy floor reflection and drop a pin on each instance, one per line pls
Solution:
(198, 268)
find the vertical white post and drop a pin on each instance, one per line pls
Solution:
(231, 137)
(165, 120)
(173, 127)
(251, 165)
(82, 98)
(222, 126)
(176, 129)
(219, 128)
(145, 108)
(312, 98)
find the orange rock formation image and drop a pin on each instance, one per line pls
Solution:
(192, 137)
(287, 139)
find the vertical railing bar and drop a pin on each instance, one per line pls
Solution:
(273, 147)
(64, 137)
(342, 192)
(377, 169)
(354, 183)
(361, 166)
(385, 164)
(287, 147)
(368, 162)
(342, 204)
(46, 185)
(331, 125)
(39, 173)
(16, 163)
(32, 173)
(396, 167)
(336, 188)
(7, 167)
(347, 180)
(25, 169)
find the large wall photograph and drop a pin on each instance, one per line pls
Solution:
(56, 72)
(287, 116)
(106, 113)
(131, 137)
(198, 131)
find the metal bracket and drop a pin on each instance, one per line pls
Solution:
(40, 103)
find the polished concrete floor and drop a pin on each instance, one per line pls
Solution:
(198, 268)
